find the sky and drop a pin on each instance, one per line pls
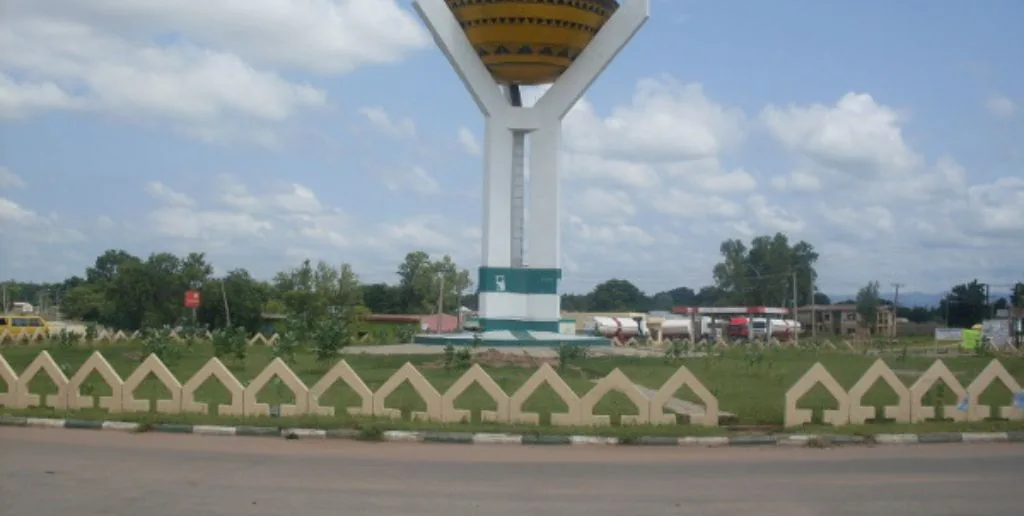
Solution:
(890, 135)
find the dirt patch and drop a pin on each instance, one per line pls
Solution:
(495, 358)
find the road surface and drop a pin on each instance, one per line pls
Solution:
(52, 471)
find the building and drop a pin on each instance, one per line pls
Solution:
(843, 320)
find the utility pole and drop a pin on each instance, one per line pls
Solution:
(895, 309)
(814, 313)
(3, 309)
(796, 318)
(440, 304)
(988, 305)
(224, 296)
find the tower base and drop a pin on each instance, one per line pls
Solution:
(510, 339)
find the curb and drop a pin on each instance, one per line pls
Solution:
(792, 440)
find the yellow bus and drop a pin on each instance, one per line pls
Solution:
(15, 325)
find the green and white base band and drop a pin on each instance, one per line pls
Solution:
(794, 440)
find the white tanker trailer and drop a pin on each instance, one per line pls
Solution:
(621, 327)
(781, 329)
(626, 327)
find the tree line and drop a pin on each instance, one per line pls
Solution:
(128, 292)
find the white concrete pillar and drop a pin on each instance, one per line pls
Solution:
(499, 142)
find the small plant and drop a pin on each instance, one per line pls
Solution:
(68, 339)
(463, 359)
(677, 349)
(568, 352)
(191, 333)
(286, 345)
(230, 342)
(370, 433)
(449, 357)
(161, 344)
(91, 332)
(330, 336)
(754, 356)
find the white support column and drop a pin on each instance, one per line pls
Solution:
(451, 39)
(543, 231)
(499, 143)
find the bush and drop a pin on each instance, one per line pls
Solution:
(230, 342)
(159, 343)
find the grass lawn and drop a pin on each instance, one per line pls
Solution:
(752, 386)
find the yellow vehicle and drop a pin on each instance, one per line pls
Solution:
(16, 325)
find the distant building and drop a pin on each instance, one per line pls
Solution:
(843, 320)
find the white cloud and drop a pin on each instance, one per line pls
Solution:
(418, 180)
(1000, 106)
(169, 196)
(665, 121)
(469, 142)
(857, 136)
(602, 203)
(323, 36)
(382, 121)
(298, 199)
(9, 180)
(22, 227)
(194, 63)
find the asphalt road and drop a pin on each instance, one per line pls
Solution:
(44, 472)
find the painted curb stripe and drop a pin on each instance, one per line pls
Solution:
(342, 433)
(593, 439)
(896, 439)
(214, 430)
(656, 441)
(848, 439)
(546, 439)
(799, 439)
(497, 439)
(257, 431)
(82, 424)
(121, 426)
(401, 436)
(448, 437)
(44, 422)
(703, 441)
(13, 421)
(173, 429)
(304, 433)
(753, 440)
(940, 437)
(492, 438)
(984, 437)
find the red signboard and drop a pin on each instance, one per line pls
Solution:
(192, 299)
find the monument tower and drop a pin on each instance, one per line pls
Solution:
(497, 46)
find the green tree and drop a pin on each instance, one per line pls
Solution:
(868, 301)
(965, 306)
(762, 274)
(246, 298)
(85, 302)
(381, 298)
(617, 295)
(420, 280)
